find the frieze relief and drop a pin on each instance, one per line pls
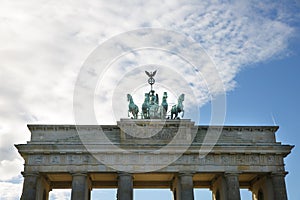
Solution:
(36, 159)
(55, 159)
(156, 158)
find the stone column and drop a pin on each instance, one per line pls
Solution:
(184, 188)
(279, 187)
(219, 188)
(232, 185)
(125, 186)
(43, 189)
(80, 187)
(30, 185)
(262, 188)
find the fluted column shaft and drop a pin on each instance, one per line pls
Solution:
(232, 185)
(279, 186)
(80, 187)
(184, 188)
(125, 186)
(30, 186)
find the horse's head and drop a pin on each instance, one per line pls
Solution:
(146, 97)
(181, 98)
(165, 95)
(129, 97)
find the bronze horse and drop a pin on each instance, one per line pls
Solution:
(132, 108)
(178, 108)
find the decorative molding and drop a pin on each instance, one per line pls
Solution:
(68, 127)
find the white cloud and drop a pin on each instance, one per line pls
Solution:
(9, 169)
(60, 194)
(44, 44)
(10, 191)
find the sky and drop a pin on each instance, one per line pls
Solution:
(247, 52)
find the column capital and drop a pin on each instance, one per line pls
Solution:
(79, 173)
(30, 174)
(124, 174)
(186, 173)
(231, 173)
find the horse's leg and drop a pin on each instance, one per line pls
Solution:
(136, 112)
(162, 114)
(135, 115)
(176, 114)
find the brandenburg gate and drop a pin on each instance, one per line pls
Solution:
(154, 152)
